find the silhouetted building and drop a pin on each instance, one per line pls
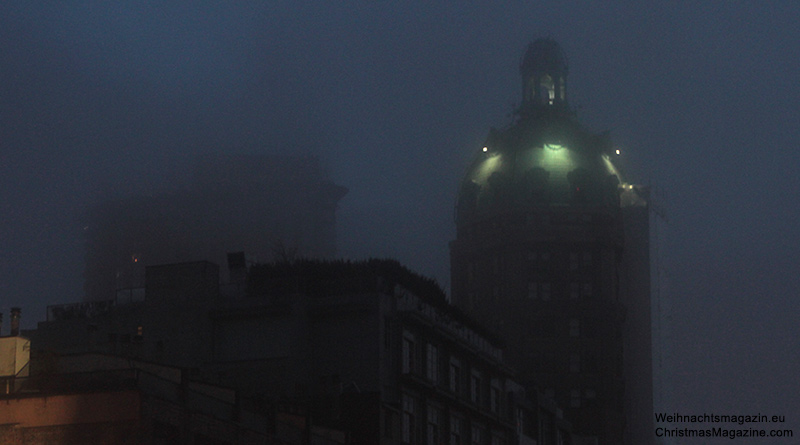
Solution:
(552, 253)
(369, 349)
(96, 399)
(264, 205)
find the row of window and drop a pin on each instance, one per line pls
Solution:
(576, 399)
(455, 372)
(578, 261)
(482, 228)
(543, 290)
(440, 428)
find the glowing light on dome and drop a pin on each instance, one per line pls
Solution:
(485, 149)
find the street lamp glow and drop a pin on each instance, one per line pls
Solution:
(617, 151)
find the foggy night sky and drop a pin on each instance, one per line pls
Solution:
(396, 98)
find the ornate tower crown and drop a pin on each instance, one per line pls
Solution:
(544, 75)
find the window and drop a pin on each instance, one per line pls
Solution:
(455, 375)
(433, 432)
(573, 261)
(475, 387)
(432, 363)
(574, 363)
(408, 353)
(408, 418)
(477, 434)
(388, 424)
(574, 328)
(455, 430)
(574, 291)
(538, 291)
(494, 396)
(575, 398)
(533, 290)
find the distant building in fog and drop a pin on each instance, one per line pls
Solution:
(552, 253)
(264, 205)
(368, 349)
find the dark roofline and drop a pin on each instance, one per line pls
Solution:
(320, 278)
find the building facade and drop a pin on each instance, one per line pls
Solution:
(551, 252)
(368, 349)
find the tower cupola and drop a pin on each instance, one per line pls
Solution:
(544, 75)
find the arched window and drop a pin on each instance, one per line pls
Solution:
(547, 90)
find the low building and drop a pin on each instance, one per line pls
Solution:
(369, 349)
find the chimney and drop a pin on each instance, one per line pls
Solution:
(15, 314)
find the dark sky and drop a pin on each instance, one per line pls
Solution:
(701, 97)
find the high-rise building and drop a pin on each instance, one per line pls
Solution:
(262, 205)
(551, 252)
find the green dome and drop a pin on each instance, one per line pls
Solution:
(545, 158)
(540, 161)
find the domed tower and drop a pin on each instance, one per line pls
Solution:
(545, 256)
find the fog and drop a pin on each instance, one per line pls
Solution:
(106, 98)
